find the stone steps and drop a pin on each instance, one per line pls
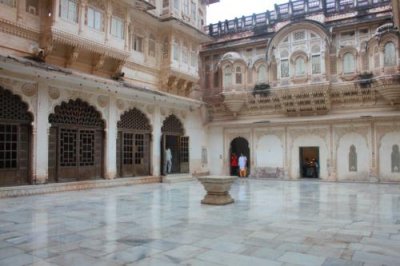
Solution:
(177, 178)
(28, 190)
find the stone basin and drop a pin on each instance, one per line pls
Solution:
(217, 188)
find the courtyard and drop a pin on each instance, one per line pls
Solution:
(270, 223)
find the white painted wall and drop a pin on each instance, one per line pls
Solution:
(197, 140)
(216, 151)
(363, 158)
(269, 152)
(385, 157)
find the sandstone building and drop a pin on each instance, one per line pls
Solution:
(98, 89)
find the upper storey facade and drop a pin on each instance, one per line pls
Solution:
(152, 44)
(304, 58)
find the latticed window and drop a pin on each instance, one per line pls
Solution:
(139, 145)
(316, 64)
(134, 119)
(8, 146)
(184, 149)
(68, 145)
(239, 75)
(76, 113)
(128, 148)
(300, 35)
(86, 148)
(172, 125)
(389, 55)
(69, 10)
(348, 63)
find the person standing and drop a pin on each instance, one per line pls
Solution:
(234, 164)
(242, 165)
(168, 160)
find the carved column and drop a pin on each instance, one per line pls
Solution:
(374, 158)
(155, 144)
(20, 4)
(126, 30)
(56, 9)
(107, 22)
(40, 136)
(81, 14)
(111, 144)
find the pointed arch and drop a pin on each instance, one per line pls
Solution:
(15, 140)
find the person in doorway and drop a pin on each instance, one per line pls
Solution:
(234, 164)
(242, 165)
(168, 160)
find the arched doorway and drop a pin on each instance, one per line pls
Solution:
(240, 146)
(133, 144)
(76, 142)
(15, 140)
(173, 137)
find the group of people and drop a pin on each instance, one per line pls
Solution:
(311, 168)
(239, 164)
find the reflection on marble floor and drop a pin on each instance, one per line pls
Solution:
(270, 223)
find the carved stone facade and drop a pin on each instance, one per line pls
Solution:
(299, 80)
(78, 68)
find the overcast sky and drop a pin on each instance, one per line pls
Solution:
(229, 9)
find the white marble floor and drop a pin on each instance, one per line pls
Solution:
(271, 223)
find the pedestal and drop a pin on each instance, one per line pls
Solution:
(217, 188)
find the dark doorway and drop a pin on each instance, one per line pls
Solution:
(309, 162)
(239, 146)
(76, 142)
(15, 140)
(174, 139)
(133, 144)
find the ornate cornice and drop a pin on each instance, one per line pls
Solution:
(77, 41)
(18, 29)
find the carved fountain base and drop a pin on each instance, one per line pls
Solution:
(217, 188)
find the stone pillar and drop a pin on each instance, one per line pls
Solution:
(111, 141)
(20, 5)
(107, 22)
(396, 12)
(126, 30)
(156, 140)
(56, 9)
(40, 136)
(81, 15)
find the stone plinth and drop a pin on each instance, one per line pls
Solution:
(217, 188)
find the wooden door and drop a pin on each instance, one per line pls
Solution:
(184, 155)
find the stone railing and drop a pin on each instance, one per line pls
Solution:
(296, 9)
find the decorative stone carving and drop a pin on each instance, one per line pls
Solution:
(29, 89)
(150, 109)
(102, 100)
(120, 104)
(54, 93)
